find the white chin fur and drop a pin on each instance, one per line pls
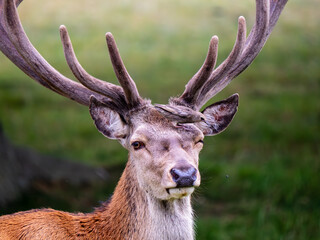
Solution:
(180, 192)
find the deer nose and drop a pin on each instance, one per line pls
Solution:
(184, 176)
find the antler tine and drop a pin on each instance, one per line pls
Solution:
(130, 89)
(195, 84)
(30, 61)
(107, 89)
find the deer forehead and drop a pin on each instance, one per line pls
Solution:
(148, 124)
(166, 136)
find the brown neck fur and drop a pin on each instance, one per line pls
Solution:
(131, 215)
(117, 219)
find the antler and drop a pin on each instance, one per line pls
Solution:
(112, 91)
(207, 82)
(15, 44)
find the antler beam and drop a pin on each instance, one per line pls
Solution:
(208, 82)
(15, 44)
(31, 61)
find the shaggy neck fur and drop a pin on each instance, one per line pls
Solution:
(135, 214)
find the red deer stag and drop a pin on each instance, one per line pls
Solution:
(152, 198)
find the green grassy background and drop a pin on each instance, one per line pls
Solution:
(270, 153)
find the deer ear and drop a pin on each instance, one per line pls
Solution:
(107, 121)
(219, 115)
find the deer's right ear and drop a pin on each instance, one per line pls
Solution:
(219, 115)
(108, 121)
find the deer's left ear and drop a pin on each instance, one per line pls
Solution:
(219, 115)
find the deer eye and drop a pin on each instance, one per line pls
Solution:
(137, 145)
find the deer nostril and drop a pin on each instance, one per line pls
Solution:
(184, 176)
(175, 174)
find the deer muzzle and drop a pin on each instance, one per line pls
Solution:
(184, 176)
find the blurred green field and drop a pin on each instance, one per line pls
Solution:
(270, 153)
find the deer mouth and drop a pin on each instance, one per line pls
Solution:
(180, 192)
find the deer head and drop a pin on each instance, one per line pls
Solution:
(163, 141)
